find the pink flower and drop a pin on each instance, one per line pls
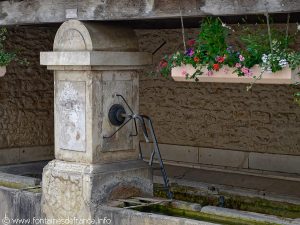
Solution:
(183, 72)
(220, 59)
(247, 72)
(238, 65)
(242, 58)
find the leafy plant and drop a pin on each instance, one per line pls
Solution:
(7, 57)
(211, 42)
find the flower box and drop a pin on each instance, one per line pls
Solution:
(226, 75)
(2, 71)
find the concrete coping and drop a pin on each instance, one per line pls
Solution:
(95, 58)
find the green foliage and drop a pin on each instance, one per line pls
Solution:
(294, 60)
(5, 57)
(271, 52)
(257, 43)
(211, 41)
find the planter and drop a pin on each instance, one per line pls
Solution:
(2, 71)
(226, 75)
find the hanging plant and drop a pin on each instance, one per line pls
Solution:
(7, 57)
(264, 58)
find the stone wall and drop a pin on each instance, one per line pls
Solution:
(26, 98)
(214, 115)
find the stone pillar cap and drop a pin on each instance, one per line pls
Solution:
(94, 46)
(74, 35)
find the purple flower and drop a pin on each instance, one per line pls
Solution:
(229, 49)
(190, 52)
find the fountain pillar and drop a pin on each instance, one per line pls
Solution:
(92, 62)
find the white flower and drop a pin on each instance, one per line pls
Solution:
(298, 27)
(264, 58)
(283, 63)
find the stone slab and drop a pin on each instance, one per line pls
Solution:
(173, 152)
(95, 58)
(36, 153)
(26, 154)
(222, 157)
(71, 115)
(274, 162)
(205, 156)
(9, 156)
(226, 158)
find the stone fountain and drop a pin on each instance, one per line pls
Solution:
(92, 64)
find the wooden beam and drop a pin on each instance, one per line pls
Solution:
(57, 11)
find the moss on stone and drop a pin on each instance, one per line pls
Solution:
(19, 186)
(170, 211)
(251, 204)
(11, 185)
(35, 190)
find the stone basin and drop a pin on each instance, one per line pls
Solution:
(25, 174)
(20, 192)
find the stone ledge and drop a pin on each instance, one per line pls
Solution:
(95, 58)
(173, 152)
(26, 154)
(226, 158)
(274, 162)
